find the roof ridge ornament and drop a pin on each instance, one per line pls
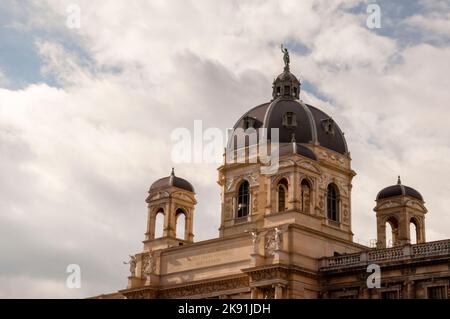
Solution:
(399, 182)
(172, 176)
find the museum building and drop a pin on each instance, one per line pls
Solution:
(286, 233)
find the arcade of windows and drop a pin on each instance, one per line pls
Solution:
(282, 187)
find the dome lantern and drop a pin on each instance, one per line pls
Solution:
(286, 84)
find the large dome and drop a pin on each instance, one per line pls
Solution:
(296, 121)
(309, 126)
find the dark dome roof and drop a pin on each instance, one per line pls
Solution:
(291, 148)
(286, 76)
(399, 190)
(312, 126)
(172, 180)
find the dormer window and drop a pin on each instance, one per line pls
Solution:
(289, 120)
(249, 122)
(328, 125)
(287, 90)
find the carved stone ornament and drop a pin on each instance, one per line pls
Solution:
(343, 187)
(389, 204)
(346, 215)
(160, 195)
(255, 200)
(252, 178)
(149, 265)
(269, 274)
(307, 165)
(141, 294)
(286, 163)
(279, 177)
(229, 183)
(332, 157)
(273, 241)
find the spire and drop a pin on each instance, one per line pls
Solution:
(399, 182)
(172, 176)
(294, 144)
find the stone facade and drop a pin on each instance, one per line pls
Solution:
(287, 233)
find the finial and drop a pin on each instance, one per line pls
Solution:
(285, 57)
(293, 138)
(172, 176)
(399, 182)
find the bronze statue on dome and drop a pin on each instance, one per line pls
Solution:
(285, 57)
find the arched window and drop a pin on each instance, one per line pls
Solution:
(282, 189)
(243, 208)
(391, 232)
(332, 203)
(180, 219)
(159, 223)
(413, 231)
(305, 195)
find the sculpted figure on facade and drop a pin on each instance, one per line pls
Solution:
(132, 263)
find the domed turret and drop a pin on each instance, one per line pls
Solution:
(172, 199)
(170, 181)
(400, 206)
(398, 190)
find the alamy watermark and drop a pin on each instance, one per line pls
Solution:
(74, 278)
(244, 146)
(374, 279)
(373, 21)
(73, 20)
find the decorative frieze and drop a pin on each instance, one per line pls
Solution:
(271, 273)
(205, 288)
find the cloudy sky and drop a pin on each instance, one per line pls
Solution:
(86, 115)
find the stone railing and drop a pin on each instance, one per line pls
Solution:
(336, 262)
(431, 249)
(386, 254)
(435, 248)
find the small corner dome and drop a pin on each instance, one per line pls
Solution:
(172, 181)
(398, 190)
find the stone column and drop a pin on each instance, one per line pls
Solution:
(403, 229)
(150, 234)
(188, 234)
(381, 233)
(278, 291)
(410, 292)
(253, 293)
(167, 220)
(292, 200)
